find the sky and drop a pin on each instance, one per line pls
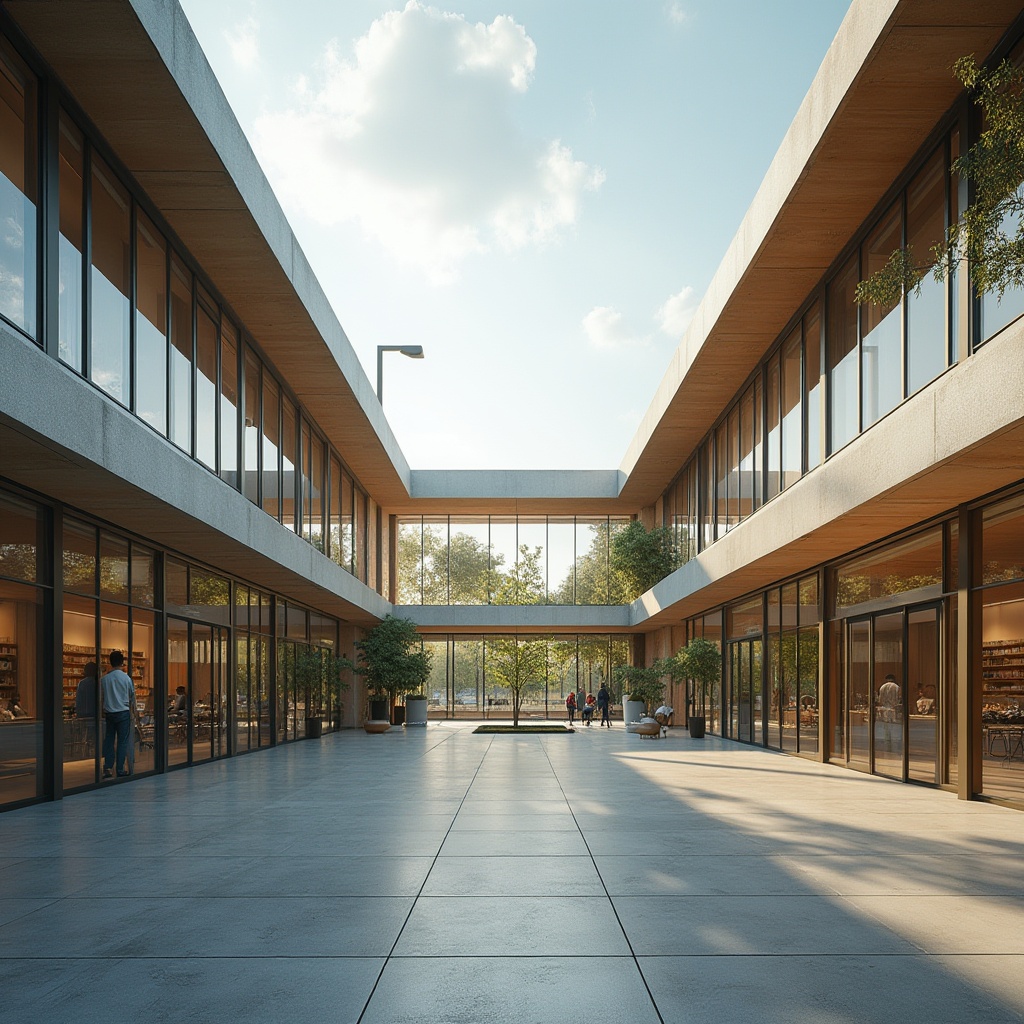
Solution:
(538, 192)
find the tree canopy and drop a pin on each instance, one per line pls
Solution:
(989, 235)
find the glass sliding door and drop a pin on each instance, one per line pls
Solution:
(858, 691)
(923, 675)
(890, 695)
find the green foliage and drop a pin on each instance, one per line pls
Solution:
(642, 557)
(644, 683)
(990, 233)
(519, 665)
(701, 661)
(453, 572)
(318, 674)
(392, 659)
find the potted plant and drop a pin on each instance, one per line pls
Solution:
(703, 666)
(393, 662)
(642, 687)
(318, 679)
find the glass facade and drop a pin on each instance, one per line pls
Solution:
(135, 318)
(835, 373)
(215, 635)
(450, 560)
(469, 674)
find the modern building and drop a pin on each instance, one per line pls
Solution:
(195, 470)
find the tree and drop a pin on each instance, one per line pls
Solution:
(643, 557)
(643, 683)
(990, 233)
(517, 664)
(701, 661)
(392, 659)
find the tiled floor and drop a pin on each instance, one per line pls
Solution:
(439, 876)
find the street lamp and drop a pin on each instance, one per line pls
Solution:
(412, 351)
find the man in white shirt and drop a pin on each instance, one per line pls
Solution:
(118, 693)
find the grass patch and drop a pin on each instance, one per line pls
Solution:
(520, 729)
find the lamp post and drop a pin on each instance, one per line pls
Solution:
(412, 351)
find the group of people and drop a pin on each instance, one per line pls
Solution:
(585, 706)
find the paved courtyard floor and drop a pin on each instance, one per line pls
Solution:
(439, 876)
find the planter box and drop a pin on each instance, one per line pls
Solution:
(416, 711)
(632, 710)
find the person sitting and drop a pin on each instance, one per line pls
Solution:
(588, 709)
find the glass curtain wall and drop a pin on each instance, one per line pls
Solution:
(19, 175)
(473, 677)
(24, 568)
(506, 560)
(834, 375)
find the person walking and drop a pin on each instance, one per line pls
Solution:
(603, 700)
(570, 706)
(118, 694)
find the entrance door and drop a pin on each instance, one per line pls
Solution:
(889, 693)
(924, 690)
(197, 720)
(858, 691)
(745, 690)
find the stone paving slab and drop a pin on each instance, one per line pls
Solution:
(435, 875)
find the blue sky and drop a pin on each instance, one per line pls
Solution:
(536, 191)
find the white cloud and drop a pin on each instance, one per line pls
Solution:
(606, 329)
(676, 13)
(414, 138)
(244, 42)
(675, 315)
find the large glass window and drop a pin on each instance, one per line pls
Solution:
(229, 403)
(70, 308)
(290, 459)
(881, 348)
(812, 386)
(181, 356)
(772, 408)
(792, 418)
(207, 350)
(271, 447)
(926, 311)
(251, 431)
(18, 189)
(150, 324)
(110, 283)
(842, 356)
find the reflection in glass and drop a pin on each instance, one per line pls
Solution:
(110, 333)
(71, 262)
(290, 458)
(792, 413)
(181, 356)
(229, 403)
(271, 447)
(150, 324)
(924, 692)
(890, 695)
(251, 431)
(82, 703)
(881, 347)
(858, 690)
(842, 356)
(812, 386)
(926, 309)
(113, 568)
(772, 408)
(21, 698)
(207, 348)
(18, 175)
(80, 557)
